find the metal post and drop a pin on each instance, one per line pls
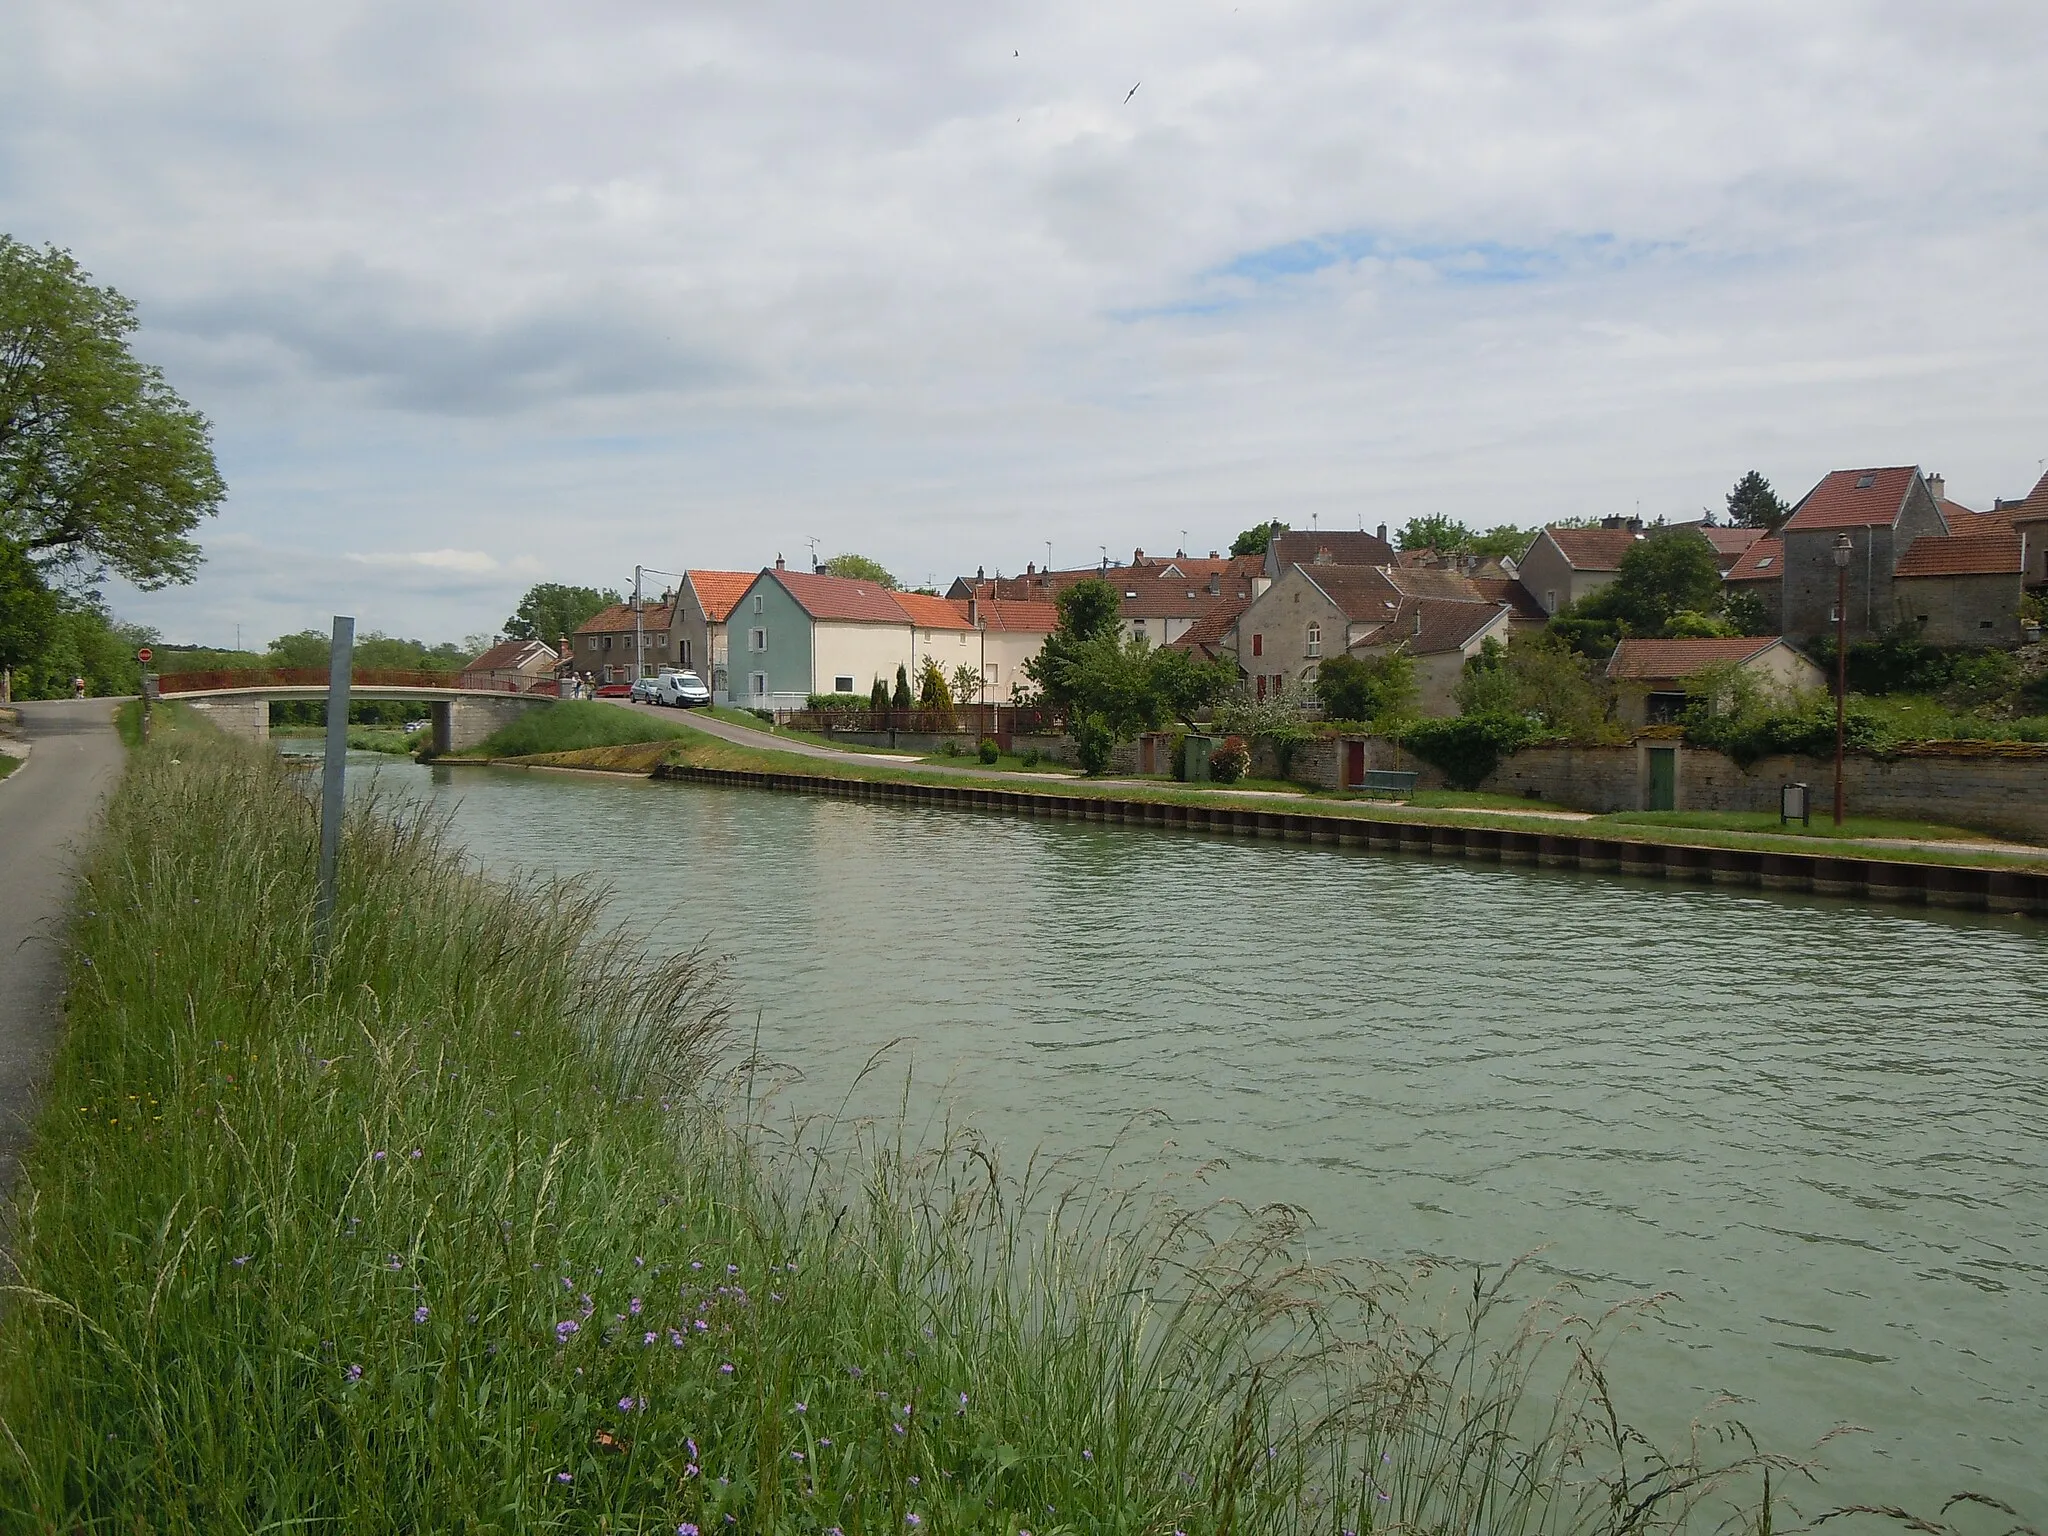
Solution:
(639, 645)
(339, 664)
(1841, 676)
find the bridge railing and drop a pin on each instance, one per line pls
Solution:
(300, 677)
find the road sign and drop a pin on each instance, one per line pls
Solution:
(143, 655)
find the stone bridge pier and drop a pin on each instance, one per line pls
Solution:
(460, 724)
(238, 716)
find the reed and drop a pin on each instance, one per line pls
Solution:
(464, 1230)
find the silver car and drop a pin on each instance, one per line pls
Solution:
(646, 690)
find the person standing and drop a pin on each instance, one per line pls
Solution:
(78, 687)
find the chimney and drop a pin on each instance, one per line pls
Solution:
(1215, 585)
(1212, 554)
(1137, 557)
(1383, 533)
(974, 613)
(778, 562)
(981, 573)
(1937, 485)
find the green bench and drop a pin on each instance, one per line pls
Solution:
(1387, 781)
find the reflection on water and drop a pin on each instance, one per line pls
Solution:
(1820, 1124)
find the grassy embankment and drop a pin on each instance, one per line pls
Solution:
(574, 725)
(453, 1233)
(1703, 829)
(8, 764)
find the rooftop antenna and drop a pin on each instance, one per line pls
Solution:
(1048, 554)
(1105, 555)
(1315, 522)
(812, 540)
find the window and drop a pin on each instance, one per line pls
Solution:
(757, 602)
(988, 673)
(1550, 600)
(842, 685)
(683, 650)
(1315, 639)
(1983, 623)
(607, 642)
(1262, 685)
(760, 685)
(1865, 481)
(661, 640)
(1259, 649)
(1834, 613)
(1765, 563)
(757, 639)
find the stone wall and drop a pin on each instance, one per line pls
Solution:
(1963, 609)
(238, 716)
(460, 724)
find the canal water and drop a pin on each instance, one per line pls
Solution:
(1823, 1125)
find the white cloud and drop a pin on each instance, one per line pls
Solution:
(632, 284)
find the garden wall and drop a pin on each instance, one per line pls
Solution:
(2000, 787)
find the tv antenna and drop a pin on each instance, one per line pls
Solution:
(812, 540)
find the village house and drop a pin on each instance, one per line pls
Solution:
(1761, 571)
(698, 641)
(796, 633)
(1441, 634)
(1962, 590)
(1008, 633)
(1292, 546)
(1650, 675)
(2028, 518)
(604, 646)
(1563, 566)
(1880, 512)
(512, 665)
(1309, 612)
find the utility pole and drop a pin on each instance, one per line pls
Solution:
(332, 806)
(1844, 548)
(639, 641)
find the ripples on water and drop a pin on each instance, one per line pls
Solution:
(1822, 1124)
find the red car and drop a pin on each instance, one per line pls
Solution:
(613, 691)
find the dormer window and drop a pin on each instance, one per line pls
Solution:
(1865, 480)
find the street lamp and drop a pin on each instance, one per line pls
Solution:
(1844, 548)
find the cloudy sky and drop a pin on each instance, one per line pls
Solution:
(478, 295)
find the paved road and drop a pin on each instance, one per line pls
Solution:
(48, 807)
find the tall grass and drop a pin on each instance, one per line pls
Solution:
(572, 725)
(459, 1232)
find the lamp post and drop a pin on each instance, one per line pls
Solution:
(1844, 548)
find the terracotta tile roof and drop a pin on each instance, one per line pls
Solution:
(1731, 541)
(1983, 554)
(1593, 549)
(1762, 561)
(1429, 581)
(619, 617)
(1428, 626)
(1211, 627)
(1016, 618)
(931, 612)
(511, 655)
(1177, 600)
(1301, 547)
(1364, 594)
(1963, 522)
(1844, 500)
(839, 598)
(1511, 594)
(1662, 660)
(718, 592)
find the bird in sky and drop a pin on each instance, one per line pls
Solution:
(1133, 91)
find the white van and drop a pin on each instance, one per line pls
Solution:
(682, 690)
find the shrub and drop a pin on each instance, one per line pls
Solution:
(988, 751)
(951, 749)
(878, 696)
(1230, 762)
(824, 701)
(1805, 730)
(767, 716)
(1351, 689)
(1468, 747)
(1032, 757)
(1094, 741)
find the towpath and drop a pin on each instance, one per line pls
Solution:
(48, 807)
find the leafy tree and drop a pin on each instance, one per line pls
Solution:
(1753, 504)
(1687, 625)
(1187, 685)
(551, 610)
(1539, 678)
(966, 681)
(1747, 612)
(1257, 539)
(1445, 535)
(933, 691)
(900, 699)
(860, 568)
(307, 648)
(1354, 689)
(28, 610)
(102, 465)
(77, 637)
(1661, 576)
(1089, 611)
(1500, 543)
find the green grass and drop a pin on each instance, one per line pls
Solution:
(572, 725)
(8, 764)
(1478, 800)
(1823, 825)
(1006, 762)
(1923, 717)
(454, 1233)
(743, 717)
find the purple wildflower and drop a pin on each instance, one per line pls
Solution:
(376, 1157)
(824, 1440)
(725, 1370)
(415, 1154)
(625, 1405)
(355, 1373)
(564, 1477)
(649, 1338)
(687, 1528)
(912, 1520)
(565, 1328)
(693, 1470)
(800, 1408)
(394, 1262)
(240, 1259)
(634, 1306)
(419, 1313)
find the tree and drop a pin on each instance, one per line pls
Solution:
(933, 691)
(966, 681)
(1089, 611)
(1753, 504)
(878, 696)
(1380, 689)
(28, 611)
(102, 465)
(1660, 576)
(1538, 677)
(1748, 612)
(551, 610)
(1445, 535)
(1257, 539)
(900, 699)
(860, 568)
(1505, 541)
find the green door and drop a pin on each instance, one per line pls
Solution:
(1663, 778)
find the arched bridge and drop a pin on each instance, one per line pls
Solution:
(239, 701)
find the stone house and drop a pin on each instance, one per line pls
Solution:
(1309, 612)
(1292, 546)
(1563, 566)
(1649, 675)
(1441, 634)
(697, 631)
(1962, 590)
(1761, 570)
(514, 666)
(2029, 520)
(1881, 512)
(603, 649)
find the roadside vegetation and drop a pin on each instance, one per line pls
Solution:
(1823, 825)
(459, 1231)
(8, 764)
(573, 725)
